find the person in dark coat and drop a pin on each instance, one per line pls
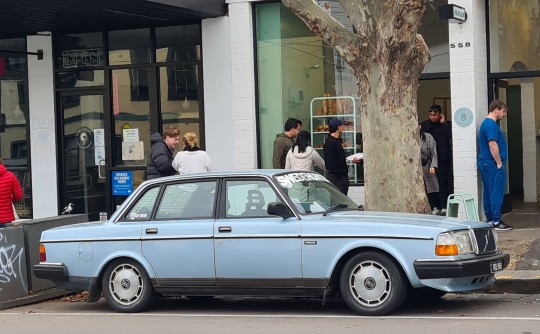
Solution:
(334, 156)
(441, 130)
(161, 154)
(10, 191)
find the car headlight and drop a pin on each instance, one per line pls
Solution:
(454, 243)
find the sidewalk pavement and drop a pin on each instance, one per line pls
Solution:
(523, 244)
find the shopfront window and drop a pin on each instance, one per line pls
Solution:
(435, 34)
(180, 99)
(14, 119)
(79, 50)
(131, 116)
(128, 47)
(514, 37)
(180, 43)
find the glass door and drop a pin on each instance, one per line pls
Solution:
(83, 157)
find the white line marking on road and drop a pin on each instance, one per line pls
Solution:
(202, 315)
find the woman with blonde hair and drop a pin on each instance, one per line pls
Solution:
(192, 159)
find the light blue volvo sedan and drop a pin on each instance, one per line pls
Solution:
(266, 233)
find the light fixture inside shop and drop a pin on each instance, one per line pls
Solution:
(186, 104)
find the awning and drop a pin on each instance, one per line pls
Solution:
(27, 17)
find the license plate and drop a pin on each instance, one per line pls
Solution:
(496, 266)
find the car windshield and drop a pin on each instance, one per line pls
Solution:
(312, 193)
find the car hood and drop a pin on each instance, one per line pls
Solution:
(387, 223)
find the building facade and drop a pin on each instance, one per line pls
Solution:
(81, 104)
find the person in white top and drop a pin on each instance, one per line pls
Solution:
(192, 159)
(302, 156)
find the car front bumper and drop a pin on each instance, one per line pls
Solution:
(481, 266)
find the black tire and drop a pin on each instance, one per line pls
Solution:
(372, 284)
(126, 286)
(425, 294)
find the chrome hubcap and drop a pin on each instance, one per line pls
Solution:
(126, 284)
(370, 283)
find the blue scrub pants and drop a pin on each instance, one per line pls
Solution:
(494, 181)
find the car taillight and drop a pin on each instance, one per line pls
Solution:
(42, 253)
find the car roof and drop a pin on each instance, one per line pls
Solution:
(244, 172)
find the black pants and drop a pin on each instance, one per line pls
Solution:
(433, 199)
(340, 181)
(445, 179)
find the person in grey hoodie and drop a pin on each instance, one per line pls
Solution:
(302, 156)
(284, 141)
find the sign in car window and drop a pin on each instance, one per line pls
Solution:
(288, 180)
(122, 182)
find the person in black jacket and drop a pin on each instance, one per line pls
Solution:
(334, 156)
(441, 130)
(161, 154)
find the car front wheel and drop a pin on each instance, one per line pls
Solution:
(126, 286)
(372, 284)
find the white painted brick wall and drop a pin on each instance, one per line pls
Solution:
(468, 85)
(243, 85)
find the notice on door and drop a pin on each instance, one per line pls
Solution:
(122, 182)
(132, 150)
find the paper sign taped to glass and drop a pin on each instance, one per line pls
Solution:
(133, 150)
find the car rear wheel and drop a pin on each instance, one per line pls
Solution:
(372, 284)
(126, 286)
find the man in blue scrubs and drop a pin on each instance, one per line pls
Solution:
(491, 159)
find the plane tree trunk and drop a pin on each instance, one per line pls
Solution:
(387, 56)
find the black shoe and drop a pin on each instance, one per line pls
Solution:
(503, 227)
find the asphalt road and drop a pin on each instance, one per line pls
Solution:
(470, 313)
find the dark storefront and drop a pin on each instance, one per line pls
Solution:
(122, 70)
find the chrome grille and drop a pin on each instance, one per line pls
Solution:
(485, 241)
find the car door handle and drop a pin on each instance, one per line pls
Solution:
(227, 229)
(151, 231)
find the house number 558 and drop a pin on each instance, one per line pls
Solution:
(460, 45)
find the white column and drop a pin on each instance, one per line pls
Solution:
(243, 85)
(529, 140)
(42, 128)
(218, 111)
(468, 85)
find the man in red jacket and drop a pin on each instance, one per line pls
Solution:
(10, 191)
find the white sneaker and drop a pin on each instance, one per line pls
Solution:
(435, 211)
(443, 212)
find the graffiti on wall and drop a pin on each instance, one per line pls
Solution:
(12, 263)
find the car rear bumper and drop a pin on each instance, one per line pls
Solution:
(431, 269)
(56, 272)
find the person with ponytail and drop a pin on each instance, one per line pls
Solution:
(302, 156)
(192, 159)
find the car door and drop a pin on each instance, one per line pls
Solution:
(177, 241)
(252, 248)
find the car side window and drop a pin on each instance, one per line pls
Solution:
(249, 198)
(187, 200)
(142, 210)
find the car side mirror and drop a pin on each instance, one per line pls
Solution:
(278, 209)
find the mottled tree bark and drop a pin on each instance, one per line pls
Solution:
(387, 55)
